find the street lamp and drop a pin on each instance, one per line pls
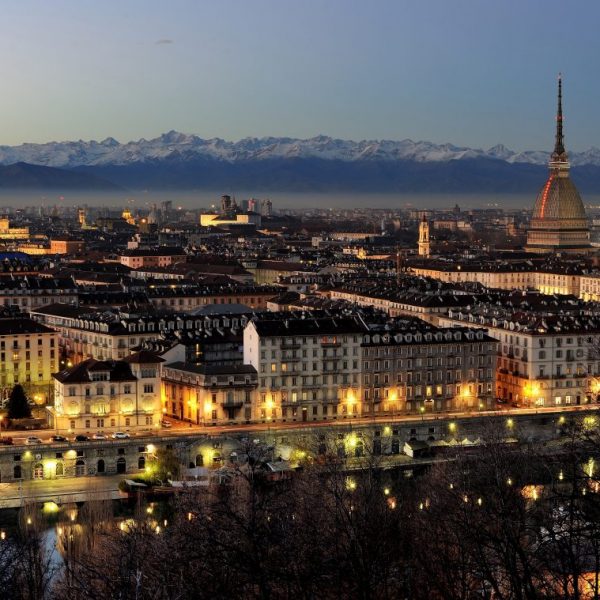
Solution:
(422, 411)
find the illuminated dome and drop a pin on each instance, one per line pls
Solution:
(559, 199)
(559, 222)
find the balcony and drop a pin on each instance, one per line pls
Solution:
(330, 344)
(235, 403)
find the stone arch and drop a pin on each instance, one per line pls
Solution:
(38, 471)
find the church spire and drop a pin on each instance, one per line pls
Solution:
(559, 153)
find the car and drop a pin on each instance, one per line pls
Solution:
(515, 404)
(81, 438)
(120, 435)
(59, 438)
(166, 424)
(99, 436)
(32, 439)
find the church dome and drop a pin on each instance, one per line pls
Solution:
(558, 199)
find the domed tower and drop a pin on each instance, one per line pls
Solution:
(559, 222)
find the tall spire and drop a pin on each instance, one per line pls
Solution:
(559, 145)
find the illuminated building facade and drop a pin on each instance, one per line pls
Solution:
(308, 367)
(28, 356)
(97, 396)
(544, 360)
(209, 394)
(414, 367)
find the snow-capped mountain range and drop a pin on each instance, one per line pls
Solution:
(180, 147)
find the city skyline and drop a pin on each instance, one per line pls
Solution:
(467, 74)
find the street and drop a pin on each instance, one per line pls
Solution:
(180, 428)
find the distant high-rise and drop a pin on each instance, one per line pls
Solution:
(227, 204)
(266, 208)
(559, 222)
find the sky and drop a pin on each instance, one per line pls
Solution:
(469, 72)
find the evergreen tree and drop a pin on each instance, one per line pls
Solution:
(18, 407)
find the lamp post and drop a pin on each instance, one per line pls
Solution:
(422, 411)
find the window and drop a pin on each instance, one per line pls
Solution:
(148, 388)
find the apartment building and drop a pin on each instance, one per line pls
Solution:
(546, 278)
(544, 359)
(28, 356)
(103, 396)
(113, 334)
(210, 394)
(396, 300)
(308, 366)
(189, 298)
(29, 293)
(162, 256)
(409, 366)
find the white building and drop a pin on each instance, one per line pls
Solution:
(544, 360)
(102, 396)
(308, 368)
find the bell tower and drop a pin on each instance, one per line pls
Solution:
(424, 241)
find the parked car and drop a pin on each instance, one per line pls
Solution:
(99, 436)
(32, 439)
(166, 424)
(81, 438)
(6, 441)
(120, 435)
(59, 438)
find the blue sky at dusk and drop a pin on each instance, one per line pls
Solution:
(470, 72)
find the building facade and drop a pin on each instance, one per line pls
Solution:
(543, 360)
(417, 368)
(209, 394)
(28, 356)
(104, 396)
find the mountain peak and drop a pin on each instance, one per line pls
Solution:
(176, 146)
